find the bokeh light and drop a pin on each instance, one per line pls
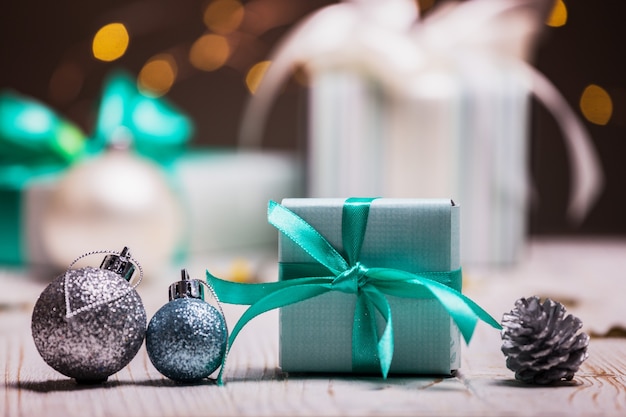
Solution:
(241, 270)
(66, 82)
(158, 75)
(596, 104)
(425, 5)
(223, 16)
(110, 42)
(255, 75)
(558, 16)
(209, 52)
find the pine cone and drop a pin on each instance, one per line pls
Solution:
(541, 343)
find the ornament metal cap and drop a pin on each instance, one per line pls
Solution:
(120, 264)
(186, 288)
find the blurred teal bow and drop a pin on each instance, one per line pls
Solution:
(155, 128)
(33, 139)
(32, 135)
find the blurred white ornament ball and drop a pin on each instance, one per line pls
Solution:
(113, 200)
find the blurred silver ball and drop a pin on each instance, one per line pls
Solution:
(186, 339)
(98, 341)
(114, 199)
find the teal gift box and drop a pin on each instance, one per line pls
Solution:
(413, 235)
(23, 195)
(365, 285)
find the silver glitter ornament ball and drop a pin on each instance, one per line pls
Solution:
(98, 337)
(186, 338)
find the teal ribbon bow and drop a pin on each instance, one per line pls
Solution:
(347, 274)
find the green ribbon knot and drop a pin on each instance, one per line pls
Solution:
(333, 272)
(351, 280)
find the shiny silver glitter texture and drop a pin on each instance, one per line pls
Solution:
(98, 341)
(186, 339)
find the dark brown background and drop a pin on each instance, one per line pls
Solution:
(38, 36)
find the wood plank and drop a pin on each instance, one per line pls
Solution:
(256, 387)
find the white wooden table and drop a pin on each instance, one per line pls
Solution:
(589, 276)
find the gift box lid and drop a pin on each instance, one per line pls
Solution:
(415, 235)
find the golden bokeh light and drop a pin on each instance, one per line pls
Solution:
(241, 271)
(596, 105)
(209, 52)
(558, 16)
(158, 75)
(255, 75)
(223, 16)
(110, 42)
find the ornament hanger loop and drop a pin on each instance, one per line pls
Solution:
(124, 254)
(219, 306)
(217, 300)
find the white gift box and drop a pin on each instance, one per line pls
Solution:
(464, 135)
(433, 108)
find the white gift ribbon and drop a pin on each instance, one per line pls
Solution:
(349, 34)
(587, 177)
(386, 41)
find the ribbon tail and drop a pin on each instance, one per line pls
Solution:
(463, 311)
(308, 40)
(385, 345)
(280, 298)
(246, 294)
(587, 177)
(364, 336)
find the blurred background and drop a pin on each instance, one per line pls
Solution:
(204, 58)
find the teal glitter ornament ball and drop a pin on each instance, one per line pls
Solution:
(186, 338)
